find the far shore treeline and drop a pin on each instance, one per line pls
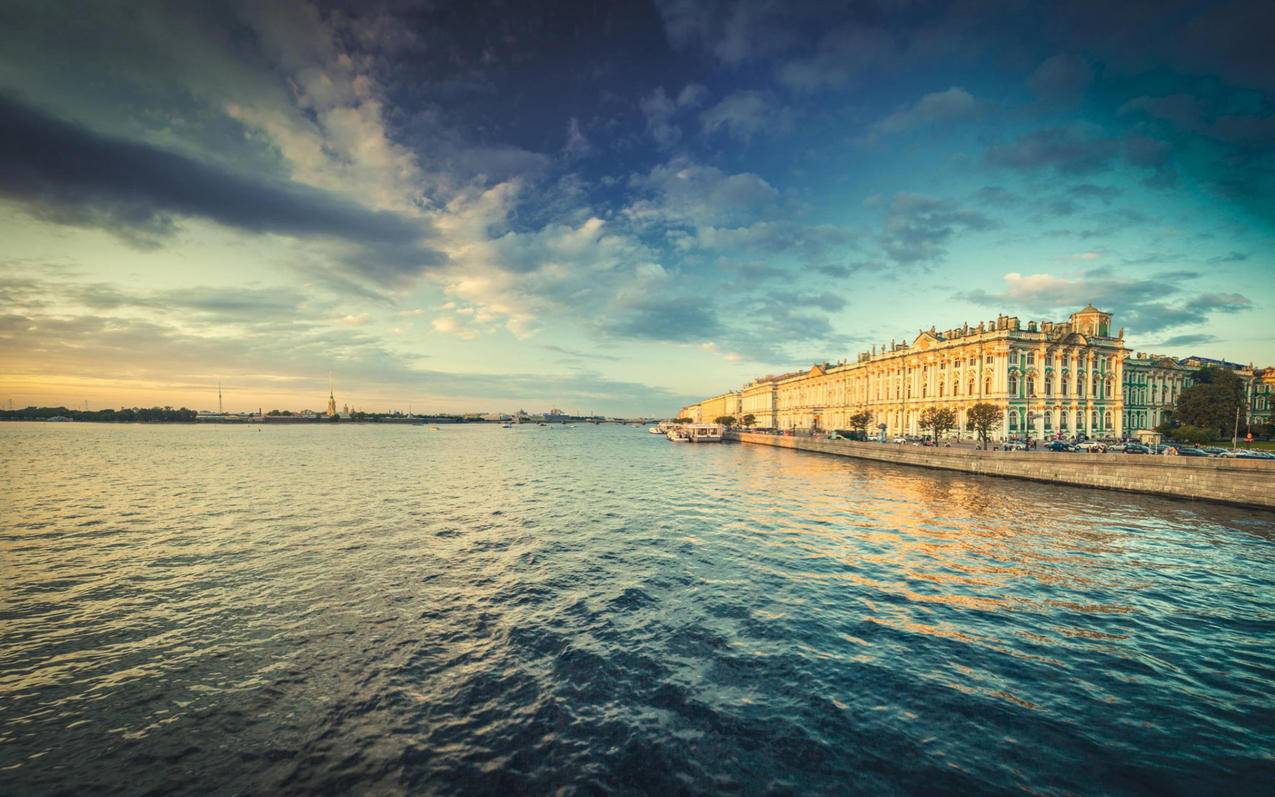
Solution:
(122, 415)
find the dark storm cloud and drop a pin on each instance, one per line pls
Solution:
(68, 174)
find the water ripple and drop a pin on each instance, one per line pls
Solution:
(356, 608)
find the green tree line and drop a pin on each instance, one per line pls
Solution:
(122, 415)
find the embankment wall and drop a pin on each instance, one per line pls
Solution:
(1232, 481)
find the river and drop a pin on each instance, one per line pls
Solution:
(226, 609)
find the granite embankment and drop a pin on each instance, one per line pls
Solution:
(1232, 481)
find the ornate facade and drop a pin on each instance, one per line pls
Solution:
(1151, 387)
(1048, 379)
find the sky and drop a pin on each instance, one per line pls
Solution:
(610, 207)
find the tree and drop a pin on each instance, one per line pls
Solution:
(938, 419)
(725, 420)
(1192, 434)
(1213, 402)
(860, 421)
(982, 418)
(749, 420)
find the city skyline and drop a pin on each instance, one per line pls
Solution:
(615, 209)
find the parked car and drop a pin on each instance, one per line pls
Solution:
(1091, 447)
(1016, 445)
(1060, 445)
(900, 440)
(1136, 448)
(1213, 451)
(1191, 452)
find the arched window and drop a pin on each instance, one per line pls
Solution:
(987, 386)
(1031, 386)
(1080, 420)
(971, 386)
(1013, 421)
(1049, 420)
(1013, 384)
(1062, 421)
(1096, 425)
(941, 386)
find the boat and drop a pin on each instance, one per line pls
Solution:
(656, 430)
(677, 434)
(506, 425)
(705, 432)
(434, 429)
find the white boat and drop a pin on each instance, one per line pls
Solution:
(678, 435)
(506, 426)
(705, 432)
(656, 430)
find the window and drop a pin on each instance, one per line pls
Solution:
(1031, 386)
(1013, 384)
(1080, 420)
(987, 385)
(1013, 421)
(1096, 424)
(971, 386)
(1031, 358)
(1063, 385)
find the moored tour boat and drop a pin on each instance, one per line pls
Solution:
(705, 432)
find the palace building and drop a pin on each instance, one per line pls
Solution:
(1072, 378)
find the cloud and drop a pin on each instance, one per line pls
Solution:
(954, 105)
(163, 353)
(1076, 149)
(681, 316)
(577, 145)
(659, 108)
(1230, 257)
(66, 174)
(732, 33)
(687, 193)
(841, 57)
(745, 114)
(917, 229)
(1187, 340)
(1144, 304)
(1062, 79)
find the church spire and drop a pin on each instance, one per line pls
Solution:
(331, 398)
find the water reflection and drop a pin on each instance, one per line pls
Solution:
(522, 610)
